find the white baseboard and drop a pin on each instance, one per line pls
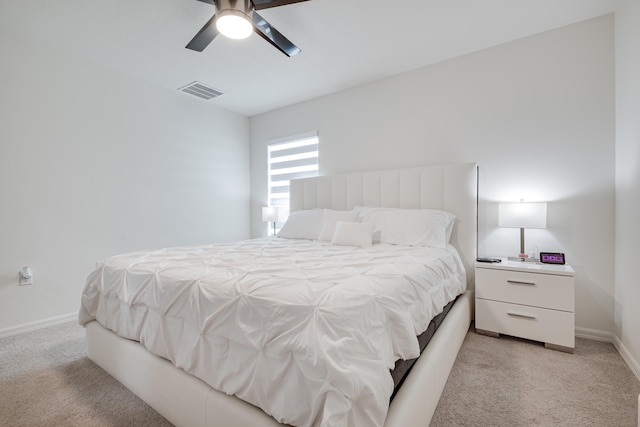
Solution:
(632, 363)
(38, 324)
(594, 334)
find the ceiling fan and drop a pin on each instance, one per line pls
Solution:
(237, 19)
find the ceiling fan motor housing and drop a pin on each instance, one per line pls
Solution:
(225, 7)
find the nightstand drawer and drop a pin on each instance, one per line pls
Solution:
(532, 289)
(538, 324)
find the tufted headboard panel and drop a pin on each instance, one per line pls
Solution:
(449, 187)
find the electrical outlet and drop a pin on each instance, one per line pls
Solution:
(25, 276)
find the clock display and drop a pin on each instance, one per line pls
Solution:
(552, 257)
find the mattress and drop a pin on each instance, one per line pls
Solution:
(305, 330)
(402, 368)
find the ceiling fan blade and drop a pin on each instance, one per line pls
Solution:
(273, 36)
(264, 4)
(207, 1)
(204, 36)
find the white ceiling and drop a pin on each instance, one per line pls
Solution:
(344, 43)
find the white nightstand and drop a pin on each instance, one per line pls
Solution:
(527, 300)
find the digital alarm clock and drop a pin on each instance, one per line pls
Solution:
(551, 258)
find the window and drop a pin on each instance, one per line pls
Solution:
(290, 158)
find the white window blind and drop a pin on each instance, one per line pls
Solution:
(290, 158)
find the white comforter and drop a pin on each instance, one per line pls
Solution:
(305, 330)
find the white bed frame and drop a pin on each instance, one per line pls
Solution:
(187, 401)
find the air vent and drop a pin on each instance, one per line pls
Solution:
(200, 90)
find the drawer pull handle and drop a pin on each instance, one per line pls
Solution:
(526, 316)
(520, 282)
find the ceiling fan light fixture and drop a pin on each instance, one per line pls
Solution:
(234, 24)
(237, 19)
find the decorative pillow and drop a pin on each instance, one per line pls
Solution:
(353, 234)
(305, 224)
(330, 219)
(410, 227)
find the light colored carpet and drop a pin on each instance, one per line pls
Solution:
(507, 381)
(47, 380)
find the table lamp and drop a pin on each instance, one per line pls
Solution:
(270, 214)
(522, 215)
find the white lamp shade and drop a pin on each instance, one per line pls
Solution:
(522, 215)
(270, 214)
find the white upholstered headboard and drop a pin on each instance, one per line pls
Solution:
(449, 187)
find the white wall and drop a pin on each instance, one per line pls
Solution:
(627, 295)
(93, 163)
(537, 114)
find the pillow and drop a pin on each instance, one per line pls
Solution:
(353, 234)
(330, 219)
(410, 227)
(305, 224)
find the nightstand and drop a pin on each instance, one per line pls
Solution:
(527, 300)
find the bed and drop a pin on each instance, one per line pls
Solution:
(186, 400)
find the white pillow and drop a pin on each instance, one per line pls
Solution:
(305, 224)
(410, 227)
(353, 234)
(330, 219)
